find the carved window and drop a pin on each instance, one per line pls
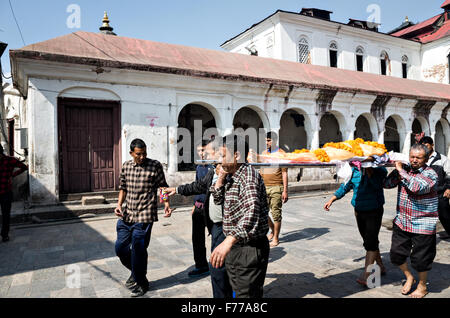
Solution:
(359, 59)
(303, 51)
(333, 50)
(405, 66)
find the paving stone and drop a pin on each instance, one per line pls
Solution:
(320, 255)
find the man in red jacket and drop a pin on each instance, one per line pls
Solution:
(7, 166)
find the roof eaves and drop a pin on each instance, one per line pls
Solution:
(15, 54)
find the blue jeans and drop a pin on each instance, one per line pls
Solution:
(219, 277)
(131, 247)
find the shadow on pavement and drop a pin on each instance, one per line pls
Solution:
(307, 233)
(53, 245)
(344, 284)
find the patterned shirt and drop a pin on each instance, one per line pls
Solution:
(141, 183)
(417, 199)
(7, 166)
(245, 208)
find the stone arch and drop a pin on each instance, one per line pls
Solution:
(442, 136)
(366, 127)
(195, 123)
(294, 127)
(330, 128)
(252, 122)
(89, 93)
(395, 133)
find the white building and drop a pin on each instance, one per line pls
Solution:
(87, 95)
(414, 51)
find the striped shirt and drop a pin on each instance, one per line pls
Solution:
(245, 208)
(141, 183)
(417, 199)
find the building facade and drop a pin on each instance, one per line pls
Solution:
(87, 95)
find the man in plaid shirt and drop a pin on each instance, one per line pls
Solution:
(139, 183)
(7, 166)
(414, 228)
(245, 250)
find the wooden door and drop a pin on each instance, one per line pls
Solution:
(101, 149)
(89, 142)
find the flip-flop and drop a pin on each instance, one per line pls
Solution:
(272, 244)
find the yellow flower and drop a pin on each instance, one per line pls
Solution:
(322, 155)
(301, 151)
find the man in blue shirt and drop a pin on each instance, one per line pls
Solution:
(198, 220)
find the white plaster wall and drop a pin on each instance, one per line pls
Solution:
(157, 100)
(289, 32)
(435, 62)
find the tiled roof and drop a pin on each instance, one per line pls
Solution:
(142, 55)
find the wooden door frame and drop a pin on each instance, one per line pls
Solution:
(116, 107)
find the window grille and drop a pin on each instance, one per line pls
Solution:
(303, 51)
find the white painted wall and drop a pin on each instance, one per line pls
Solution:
(320, 33)
(435, 62)
(156, 99)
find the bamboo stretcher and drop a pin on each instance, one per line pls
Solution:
(295, 164)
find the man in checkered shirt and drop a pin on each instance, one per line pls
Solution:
(7, 166)
(139, 183)
(414, 228)
(245, 250)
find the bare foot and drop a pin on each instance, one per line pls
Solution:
(408, 285)
(420, 292)
(362, 280)
(270, 236)
(274, 243)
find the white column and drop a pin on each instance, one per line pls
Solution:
(173, 150)
(381, 137)
(407, 143)
(315, 143)
(350, 133)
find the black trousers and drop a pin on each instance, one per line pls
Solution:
(5, 203)
(246, 266)
(198, 238)
(421, 248)
(219, 278)
(444, 213)
(369, 224)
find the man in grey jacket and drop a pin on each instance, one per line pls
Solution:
(441, 164)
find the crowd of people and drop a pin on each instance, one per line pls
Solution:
(241, 209)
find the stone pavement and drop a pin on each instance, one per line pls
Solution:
(320, 255)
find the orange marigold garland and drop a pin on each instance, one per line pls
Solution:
(301, 151)
(376, 145)
(322, 155)
(338, 145)
(356, 148)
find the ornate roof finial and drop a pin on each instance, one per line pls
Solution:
(406, 19)
(106, 28)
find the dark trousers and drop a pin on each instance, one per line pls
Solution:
(198, 238)
(131, 247)
(219, 278)
(421, 248)
(444, 213)
(369, 224)
(5, 202)
(246, 266)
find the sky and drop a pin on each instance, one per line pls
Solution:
(198, 23)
